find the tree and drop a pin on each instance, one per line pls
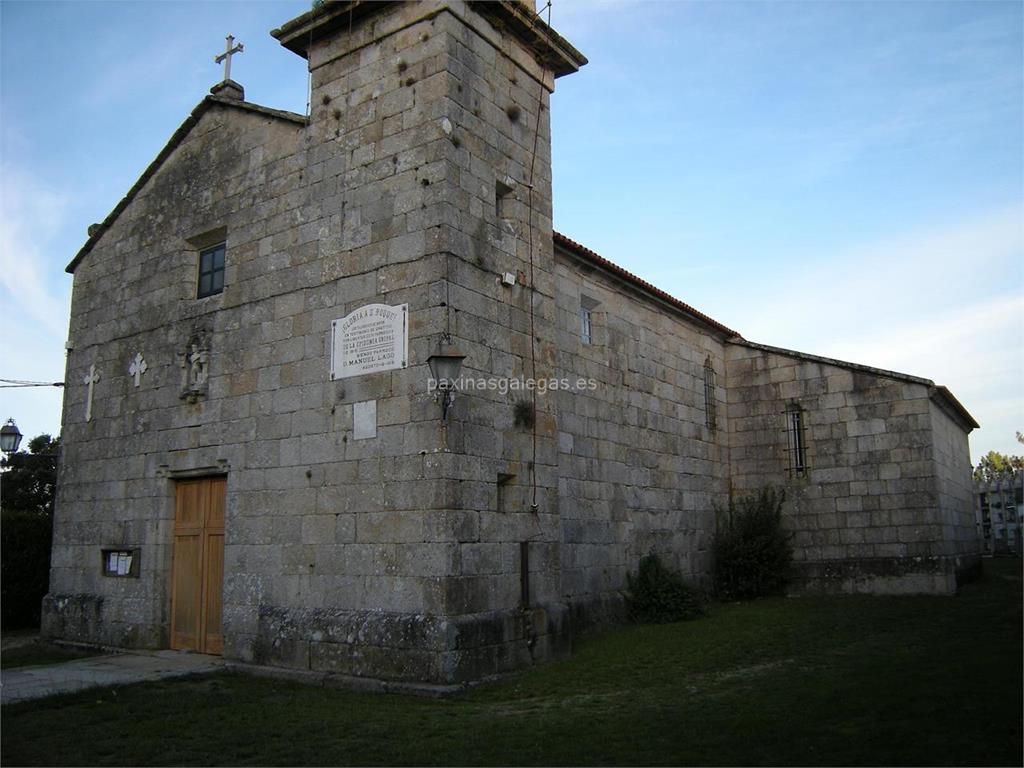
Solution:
(30, 479)
(994, 465)
(27, 484)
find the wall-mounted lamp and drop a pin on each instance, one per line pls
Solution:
(444, 368)
(10, 437)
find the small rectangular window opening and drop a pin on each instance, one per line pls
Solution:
(709, 395)
(504, 480)
(587, 306)
(211, 271)
(585, 328)
(797, 441)
(501, 193)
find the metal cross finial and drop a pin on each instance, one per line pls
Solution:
(229, 50)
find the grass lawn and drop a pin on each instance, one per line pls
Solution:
(799, 681)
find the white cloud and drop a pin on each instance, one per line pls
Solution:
(30, 352)
(30, 216)
(118, 73)
(976, 350)
(977, 342)
(35, 316)
(887, 285)
(945, 304)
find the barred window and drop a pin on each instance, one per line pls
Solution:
(709, 395)
(797, 441)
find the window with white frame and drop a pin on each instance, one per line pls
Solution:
(587, 307)
(585, 326)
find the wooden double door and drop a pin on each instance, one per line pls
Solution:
(197, 572)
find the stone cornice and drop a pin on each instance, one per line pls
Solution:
(550, 48)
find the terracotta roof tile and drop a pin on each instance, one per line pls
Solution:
(582, 251)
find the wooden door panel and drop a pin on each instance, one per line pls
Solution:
(191, 504)
(213, 586)
(185, 591)
(197, 572)
(215, 504)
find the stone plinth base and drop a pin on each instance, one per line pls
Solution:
(89, 620)
(887, 576)
(376, 645)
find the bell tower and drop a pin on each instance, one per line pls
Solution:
(430, 145)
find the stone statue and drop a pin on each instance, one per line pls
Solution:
(195, 365)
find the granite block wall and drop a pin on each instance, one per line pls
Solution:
(422, 174)
(954, 481)
(136, 294)
(418, 547)
(640, 469)
(871, 512)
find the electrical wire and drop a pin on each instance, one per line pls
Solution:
(533, 289)
(5, 383)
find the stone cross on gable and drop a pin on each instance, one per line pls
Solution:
(229, 50)
(137, 368)
(91, 379)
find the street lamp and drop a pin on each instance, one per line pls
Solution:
(444, 368)
(10, 437)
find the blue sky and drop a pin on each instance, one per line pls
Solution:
(843, 178)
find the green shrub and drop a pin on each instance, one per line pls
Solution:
(752, 552)
(25, 539)
(658, 594)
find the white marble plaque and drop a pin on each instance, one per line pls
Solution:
(364, 420)
(372, 338)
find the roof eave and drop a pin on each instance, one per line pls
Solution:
(946, 400)
(553, 50)
(936, 392)
(638, 283)
(859, 367)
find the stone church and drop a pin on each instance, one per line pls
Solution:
(258, 463)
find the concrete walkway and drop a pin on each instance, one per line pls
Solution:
(24, 683)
